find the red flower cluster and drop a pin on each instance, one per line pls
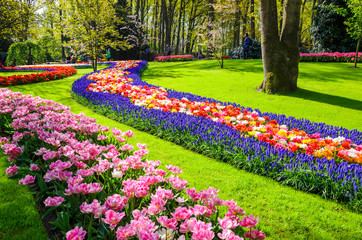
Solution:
(59, 72)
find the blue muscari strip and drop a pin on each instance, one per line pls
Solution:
(345, 175)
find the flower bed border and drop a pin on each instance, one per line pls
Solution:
(174, 58)
(330, 57)
(340, 181)
(52, 73)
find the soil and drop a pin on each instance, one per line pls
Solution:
(53, 233)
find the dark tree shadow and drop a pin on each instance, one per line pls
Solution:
(327, 98)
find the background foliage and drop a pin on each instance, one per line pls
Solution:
(19, 52)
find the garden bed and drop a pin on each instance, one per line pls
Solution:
(51, 73)
(174, 58)
(330, 57)
(341, 181)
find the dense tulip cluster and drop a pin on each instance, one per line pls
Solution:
(101, 186)
(52, 73)
(309, 156)
(330, 57)
(174, 58)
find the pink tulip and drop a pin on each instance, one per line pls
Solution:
(34, 167)
(249, 221)
(55, 201)
(255, 234)
(11, 171)
(113, 218)
(27, 180)
(76, 234)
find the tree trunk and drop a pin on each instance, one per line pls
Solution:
(301, 23)
(183, 28)
(210, 21)
(142, 11)
(96, 59)
(245, 18)
(357, 48)
(167, 24)
(281, 15)
(138, 9)
(179, 28)
(190, 27)
(162, 27)
(155, 28)
(236, 38)
(252, 20)
(280, 55)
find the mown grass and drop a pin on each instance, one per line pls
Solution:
(7, 74)
(19, 218)
(284, 213)
(327, 92)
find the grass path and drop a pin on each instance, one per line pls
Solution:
(284, 213)
(19, 219)
(6, 74)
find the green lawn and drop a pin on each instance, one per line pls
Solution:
(19, 218)
(328, 92)
(6, 74)
(284, 213)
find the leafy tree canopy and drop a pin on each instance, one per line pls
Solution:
(328, 29)
(25, 53)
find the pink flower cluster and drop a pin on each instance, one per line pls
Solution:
(111, 183)
(27, 180)
(330, 57)
(52, 202)
(173, 58)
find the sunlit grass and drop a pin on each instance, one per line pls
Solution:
(19, 218)
(12, 73)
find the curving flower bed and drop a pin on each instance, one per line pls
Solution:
(174, 58)
(309, 156)
(52, 73)
(104, 188)
(330, 57)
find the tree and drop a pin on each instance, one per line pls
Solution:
(353, 22)
(280, 53)
(90, 26)
(252, 20)
(216, 31)
(15, 18)
(328, 29)
(25, 53)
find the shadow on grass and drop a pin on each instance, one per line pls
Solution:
(246, 66)
(192, 68)
(164, 73)
(327, 98)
